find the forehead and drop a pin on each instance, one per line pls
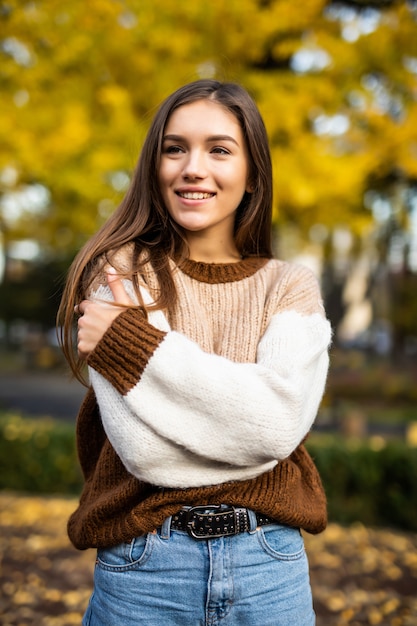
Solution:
(205, 116)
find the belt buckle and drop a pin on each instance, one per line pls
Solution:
(202, 510)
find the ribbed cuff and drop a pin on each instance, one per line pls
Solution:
(125, 349)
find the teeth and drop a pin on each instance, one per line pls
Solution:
(195, 195)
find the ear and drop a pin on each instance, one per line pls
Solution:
(250, 187)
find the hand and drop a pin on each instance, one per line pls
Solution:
(97, 317)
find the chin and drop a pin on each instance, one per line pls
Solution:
(193, 228)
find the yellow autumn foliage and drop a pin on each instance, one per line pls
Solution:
(358, 575)
(80, 81)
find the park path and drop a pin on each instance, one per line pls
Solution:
(39, 393)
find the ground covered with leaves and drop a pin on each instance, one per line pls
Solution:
(359, 575)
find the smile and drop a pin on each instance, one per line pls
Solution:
(194, 195)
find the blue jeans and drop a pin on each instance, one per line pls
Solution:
(257, 578)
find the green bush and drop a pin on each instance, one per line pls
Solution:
(373, 484)
(38, 455)
(376, 486)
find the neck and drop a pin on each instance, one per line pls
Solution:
(212, 251)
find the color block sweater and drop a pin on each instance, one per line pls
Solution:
(208, 404)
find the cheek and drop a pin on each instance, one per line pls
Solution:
(162, 175)
(167, 173)
(162, 184)
(237, 174)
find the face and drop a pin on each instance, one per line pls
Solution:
(204, 169)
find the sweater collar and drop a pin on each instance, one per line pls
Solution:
(222, 272)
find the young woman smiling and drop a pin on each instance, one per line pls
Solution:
(207, 361)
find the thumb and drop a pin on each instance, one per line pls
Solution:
(117, 288)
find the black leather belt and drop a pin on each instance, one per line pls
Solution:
(209, 522)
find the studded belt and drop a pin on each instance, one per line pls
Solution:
(210, 522)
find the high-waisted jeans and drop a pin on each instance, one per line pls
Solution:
(166, 578)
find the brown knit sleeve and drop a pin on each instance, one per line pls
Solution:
(125, 349)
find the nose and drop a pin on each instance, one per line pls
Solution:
(195, 165)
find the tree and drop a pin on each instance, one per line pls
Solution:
(335, 82)
(80, 80)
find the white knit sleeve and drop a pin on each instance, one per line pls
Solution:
(196, 418)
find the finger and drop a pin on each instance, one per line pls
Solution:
(117, 288)
(77, 310)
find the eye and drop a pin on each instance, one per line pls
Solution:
(173, 149)
(220, 150)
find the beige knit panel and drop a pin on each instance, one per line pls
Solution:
(230, 318)
(226, 318)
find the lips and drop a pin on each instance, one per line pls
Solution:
(195, 195)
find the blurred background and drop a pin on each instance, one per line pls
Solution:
(336, 83)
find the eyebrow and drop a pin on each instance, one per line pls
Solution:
(210, 139)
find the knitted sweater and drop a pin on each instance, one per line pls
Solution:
(209, 406)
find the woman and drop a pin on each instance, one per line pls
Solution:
(207, 362)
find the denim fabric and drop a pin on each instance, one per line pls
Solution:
(166, 578)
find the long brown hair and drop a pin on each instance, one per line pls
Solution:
(142, 219)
